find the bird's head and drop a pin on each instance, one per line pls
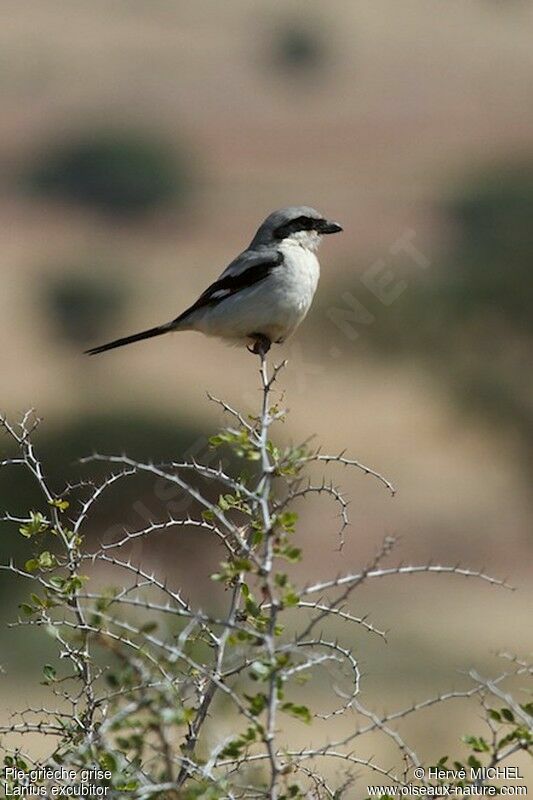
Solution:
(299, 224)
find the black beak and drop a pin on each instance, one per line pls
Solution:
(329, 227)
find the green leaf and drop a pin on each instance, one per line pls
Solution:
(57, 582)
(291, 599)
(257, 537)
(292, 554)
(47, 560)
(38, 601)
(273, 450)
(233, 749)
(288, 520)
(37, 524)
(60, 504)
(108, 761)
(257, 703)
(252, 608)
(216, 441)
(297, 711)
(49, 673)
(32, 565)
(477, 743)
(74, 583)
(294, 791)
(241, 564)
(223, 503)
(129, 786)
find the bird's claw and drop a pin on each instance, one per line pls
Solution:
(261, 345)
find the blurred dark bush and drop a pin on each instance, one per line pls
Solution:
(468, 317)
(490, 264)
(82, 304)
(118, 173)
(298, 48)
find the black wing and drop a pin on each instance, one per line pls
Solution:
(248, 269)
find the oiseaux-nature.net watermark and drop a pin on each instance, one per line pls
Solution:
(450, 783)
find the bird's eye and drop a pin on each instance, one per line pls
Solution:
(305, 223)
(295, 225)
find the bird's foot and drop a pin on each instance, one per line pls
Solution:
(261, 344)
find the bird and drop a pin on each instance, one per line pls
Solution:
(264, 294)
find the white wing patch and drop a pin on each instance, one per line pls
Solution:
(220, 293)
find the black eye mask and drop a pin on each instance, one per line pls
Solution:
(295, 225)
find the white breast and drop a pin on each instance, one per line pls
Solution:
(274, 306)
(296, 283)
(299, 274)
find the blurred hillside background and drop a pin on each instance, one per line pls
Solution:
(140, 145)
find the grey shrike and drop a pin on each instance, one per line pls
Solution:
(264, 294)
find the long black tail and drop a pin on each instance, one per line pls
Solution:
(136, 337)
